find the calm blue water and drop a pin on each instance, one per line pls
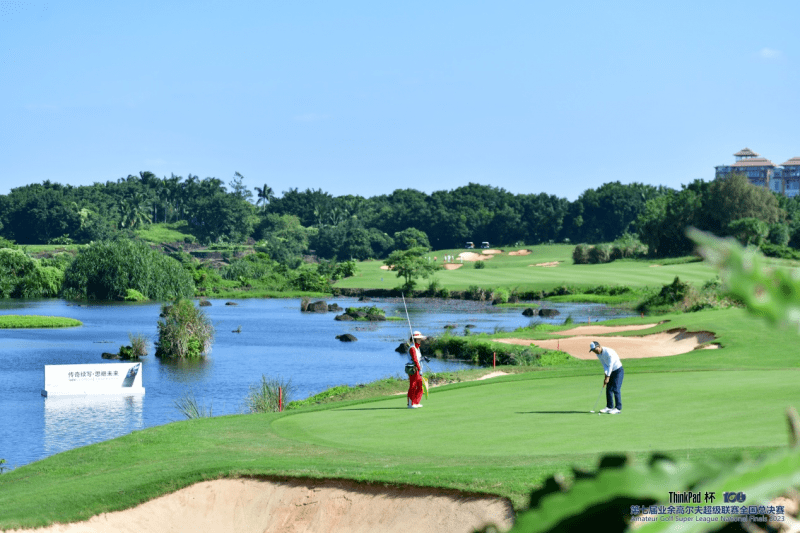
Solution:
(276, 340)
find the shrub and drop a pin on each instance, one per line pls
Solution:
(670, 296)
(475, 293)
(434, 287)
(779, 234)
(22, 276)
(132, 295)
(140, 345)
(500, 296)
(628, 246)
(775, 250)
(600, 254)
(479, 264)
(263, 397)
(580, 255)
(184, 331)
(106, 270)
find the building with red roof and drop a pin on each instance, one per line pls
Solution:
(783, 179)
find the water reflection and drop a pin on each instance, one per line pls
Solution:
(73, 421)
(186, 371)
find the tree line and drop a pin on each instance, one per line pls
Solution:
(354, 227)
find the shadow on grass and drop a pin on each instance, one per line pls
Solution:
(369, 408)
(554, 413)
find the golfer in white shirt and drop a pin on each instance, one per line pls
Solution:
(614, 373)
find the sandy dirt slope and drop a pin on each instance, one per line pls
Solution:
(246, 505)
(672, 342)
(599, 330)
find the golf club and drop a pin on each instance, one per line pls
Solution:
(597, 400)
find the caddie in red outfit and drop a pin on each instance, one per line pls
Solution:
(415, 379)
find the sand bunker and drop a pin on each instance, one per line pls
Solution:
(472, 256)
(452, 266)
(550, 264)
(387, 267)
(599, 330)
(490, 252)
(492, 375)
(672, 342)
(246, 505)
(520, 252)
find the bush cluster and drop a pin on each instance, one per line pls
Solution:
(184, 331)
(106, 270)
(22, 276)
(685, 297)
(484, 353)
(626, 247)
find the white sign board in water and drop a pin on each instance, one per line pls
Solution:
(116, 378)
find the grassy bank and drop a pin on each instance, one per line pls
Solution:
(35, 321)
(502, 436)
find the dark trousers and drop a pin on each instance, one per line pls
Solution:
(614, 389)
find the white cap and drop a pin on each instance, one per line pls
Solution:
(594, 345)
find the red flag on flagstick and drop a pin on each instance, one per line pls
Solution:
(559, 345)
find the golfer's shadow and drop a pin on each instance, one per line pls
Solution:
(370, 408)
(552, 413)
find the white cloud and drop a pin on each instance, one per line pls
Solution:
(769, 53)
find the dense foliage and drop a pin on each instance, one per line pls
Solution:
(184, 331)
(106, 270)
(730, 206)
(298, 224)
(24, 277)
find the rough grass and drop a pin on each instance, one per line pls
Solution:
(35, 321)
(169, 232)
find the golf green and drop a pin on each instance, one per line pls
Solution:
(661, 411)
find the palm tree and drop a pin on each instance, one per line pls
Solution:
(265, 196)
(134, 210)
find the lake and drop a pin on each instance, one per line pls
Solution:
(276, 340)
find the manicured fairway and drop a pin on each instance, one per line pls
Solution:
(662, 411)
(520, 272)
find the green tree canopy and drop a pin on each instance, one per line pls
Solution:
(410, 264)
(105, 270)
(411, 238)
(734, 197)
(24, 277)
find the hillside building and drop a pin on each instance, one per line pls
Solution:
(783, 179)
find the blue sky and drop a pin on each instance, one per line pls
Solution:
(364, 97)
